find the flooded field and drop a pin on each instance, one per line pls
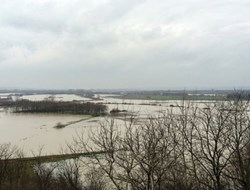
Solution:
(33, 131)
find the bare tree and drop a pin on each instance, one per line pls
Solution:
(191, 147)
(239, 170)
(145, 156)
(7, 152)
(43, 172)
(69, 175)
(208, 142)
(95, 180)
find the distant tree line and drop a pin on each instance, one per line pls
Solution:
(59, 107)
(244, 95)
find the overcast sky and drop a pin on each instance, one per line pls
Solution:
(108, 44)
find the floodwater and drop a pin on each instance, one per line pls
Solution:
(57, 97)
(34, 131)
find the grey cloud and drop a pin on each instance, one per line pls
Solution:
(117, 43)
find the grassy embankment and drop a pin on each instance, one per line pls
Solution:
(31, 161)
(62, 125)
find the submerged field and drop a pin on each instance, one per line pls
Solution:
(134, 139)
(52, 131)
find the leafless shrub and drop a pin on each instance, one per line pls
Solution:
(95, 180)
(69, 175)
